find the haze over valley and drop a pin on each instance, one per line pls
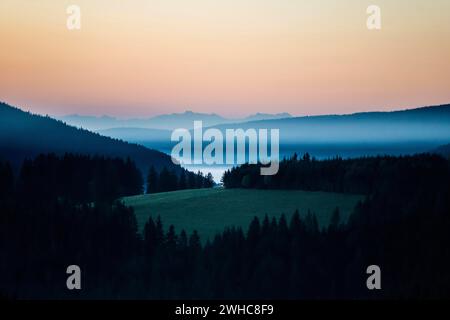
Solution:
(402, 132)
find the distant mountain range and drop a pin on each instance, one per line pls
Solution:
(426, 124)
(368, 133)
(24, 135)
(424, 129)
(163, 122)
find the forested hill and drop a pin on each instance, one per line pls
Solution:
(443, 150)
(24, 135)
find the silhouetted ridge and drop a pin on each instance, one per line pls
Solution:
(24, 135)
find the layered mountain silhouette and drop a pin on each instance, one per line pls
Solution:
(24, 135)
(430, 124)
(368, 133)
(163, 122)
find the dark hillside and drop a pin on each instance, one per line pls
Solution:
(25, 135)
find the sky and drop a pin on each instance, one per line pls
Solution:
(234, 57)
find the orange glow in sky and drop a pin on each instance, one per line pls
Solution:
(234, 57)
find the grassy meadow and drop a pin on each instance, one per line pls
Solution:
(211, 210)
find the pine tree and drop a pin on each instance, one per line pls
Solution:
(209, 182)
(182, 180)
(152, 180)
(334, 220)
(167, 181)
(199, 180)
(159, 232)
(194, 241)
(150, 236)
(171, 238)
(183, 241)
(254, 232)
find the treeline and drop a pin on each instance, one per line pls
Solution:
(358, 175)
(59, 211)
(167, 180)
(402, 227)
(74, 178)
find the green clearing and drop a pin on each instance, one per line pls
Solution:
(211, 210)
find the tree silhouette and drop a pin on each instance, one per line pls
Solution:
(152, 180)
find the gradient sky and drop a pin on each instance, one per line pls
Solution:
(233, 57)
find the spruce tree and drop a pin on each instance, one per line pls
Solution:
(152, 180)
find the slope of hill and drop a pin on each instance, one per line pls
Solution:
(23, 134)
(211, 210)
(137, 134)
